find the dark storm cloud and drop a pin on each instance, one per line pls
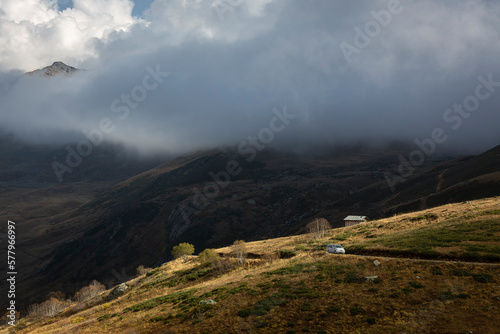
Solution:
(226, 76)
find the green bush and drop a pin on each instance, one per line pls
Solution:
(355, 310)
(153, 272)
(344, 236)
(261, 324)
(352, 277)
(460, 272)
(240, 288)
(483, 278)
(245, 312)
(491, 212)
(305, 307)
(416, 285)
(268, 303)
(286, 253)
(181, 250)
(208, 257)
(333, 308)
(448, 295)
(293, 269)
(263, 306)
(436, 271)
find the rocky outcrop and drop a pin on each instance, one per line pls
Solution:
(118, 291)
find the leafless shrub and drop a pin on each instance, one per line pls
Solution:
(254, 263)
(240, 250)
(48, 308)
(89, 292)
(141, 270)
(318, 227)
(223, 266)
(271, 257)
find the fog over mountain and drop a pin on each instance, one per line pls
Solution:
(347, 71)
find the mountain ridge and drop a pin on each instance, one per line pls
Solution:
(57, 68)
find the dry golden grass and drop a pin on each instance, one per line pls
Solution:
(312, 291)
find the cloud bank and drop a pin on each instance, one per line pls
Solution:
(231, 62)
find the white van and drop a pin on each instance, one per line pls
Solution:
(336, 249)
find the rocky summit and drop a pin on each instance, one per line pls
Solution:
(57, 68)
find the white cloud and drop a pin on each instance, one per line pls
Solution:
(185, 20)
(227, 75)
(34, 34)
(34, 11)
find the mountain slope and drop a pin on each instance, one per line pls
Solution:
(310, 291)
(32, 196)
(273, 195)
(452, 181)
(139, 220)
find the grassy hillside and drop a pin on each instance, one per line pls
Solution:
(468, 231)
(290, 285)
(275, 195)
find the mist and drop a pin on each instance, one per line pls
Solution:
(198, 76)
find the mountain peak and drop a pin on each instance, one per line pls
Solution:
(57, 68)
(59, 63)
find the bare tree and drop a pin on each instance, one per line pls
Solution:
(48, 308)
(318, 227)
(240, 250)
(141, 270)
(89, 292)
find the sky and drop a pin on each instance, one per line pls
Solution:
(139, 6)
(343, 71)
